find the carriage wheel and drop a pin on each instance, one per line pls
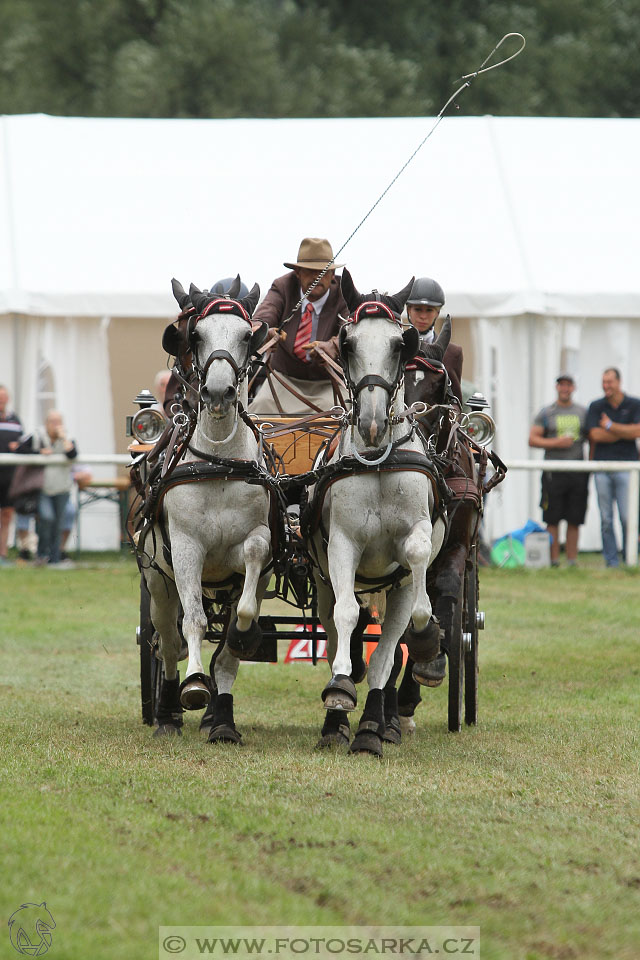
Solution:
(471, 639)
(456, 666)
(151, 668)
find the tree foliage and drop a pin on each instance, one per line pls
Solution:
(316, 58)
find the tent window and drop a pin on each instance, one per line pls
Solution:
(45, 391)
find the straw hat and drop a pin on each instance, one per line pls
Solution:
(314, 254)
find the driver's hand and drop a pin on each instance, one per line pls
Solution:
(330, 347)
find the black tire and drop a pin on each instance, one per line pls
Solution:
(456, 666)
(471, 630)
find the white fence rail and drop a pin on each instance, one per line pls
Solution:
(567, 466)
(632, 467)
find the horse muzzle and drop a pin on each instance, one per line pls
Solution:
(219, 401)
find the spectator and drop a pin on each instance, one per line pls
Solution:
(57, 486)
(560, 430)
(613, 423)
(314, 323)
(10, 431)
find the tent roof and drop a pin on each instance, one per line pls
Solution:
(511, 215)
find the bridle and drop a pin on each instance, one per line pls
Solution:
(370, 380)
(224, 306)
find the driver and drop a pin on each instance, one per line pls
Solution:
(423, 309)
(298, 332)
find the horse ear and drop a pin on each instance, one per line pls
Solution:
(198, 298)
(411, 339)
(397, 300)
(437, 349)
(234, 289)
(179, 293)
(258, 337)
(249, 302)
(352, 297)
(173, 340)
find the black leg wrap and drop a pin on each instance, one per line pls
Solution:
(368, 738)
(356, 647)
(243, 643)
(392, 732)
(423, 645)
(336, 730)
(224, 729)
(409, 692)
(169, 711)
(209, 715)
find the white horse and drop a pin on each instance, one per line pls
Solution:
(376, 524)
(213, 531)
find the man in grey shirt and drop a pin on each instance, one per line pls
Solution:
(560, 431)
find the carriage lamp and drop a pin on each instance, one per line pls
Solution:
(478, 424)
(148, 424)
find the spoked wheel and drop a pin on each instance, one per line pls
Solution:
(470, 638)
(151, 668)
(456, 666)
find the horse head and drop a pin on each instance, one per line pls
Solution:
(374, 351)
(222, 341)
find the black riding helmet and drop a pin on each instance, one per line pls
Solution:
(221, 288)
(426, 291)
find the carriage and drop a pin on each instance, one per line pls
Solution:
(296, 451)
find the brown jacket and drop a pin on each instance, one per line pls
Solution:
(278, 305)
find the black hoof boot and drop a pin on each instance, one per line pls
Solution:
(169, 712)
(423, 645)
(244, 643)
(431, 674)
(408, 692)
(368, 738)
(392, 732)
(340, 693)
(224, 729)
(335, 732)
(209, 715)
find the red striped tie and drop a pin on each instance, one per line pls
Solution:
(303, 334)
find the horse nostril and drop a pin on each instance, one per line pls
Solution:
(230, 393)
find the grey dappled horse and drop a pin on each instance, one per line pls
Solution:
(378, 524)
(217, 530)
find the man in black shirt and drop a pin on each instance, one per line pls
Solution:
(613, 424)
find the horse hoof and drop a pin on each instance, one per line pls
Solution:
(407, 725)
(423, 645)
(244, 643)
(334, 738)
(392, 730)
(340, 693)
(194, 692)
(431, 674)
(367, 742)
(167, 730)
(225, 733)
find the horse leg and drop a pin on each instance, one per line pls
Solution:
(392, 726)
(372, 727)
(188, 560)
(244, 633)
(223, 728)
(164, 616)
(343, 557)
(335, 729)
(423, 633)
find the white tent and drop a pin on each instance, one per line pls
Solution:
(529, 224)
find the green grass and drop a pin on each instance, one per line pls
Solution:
(526, 825)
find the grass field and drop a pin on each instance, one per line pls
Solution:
(527, 826)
